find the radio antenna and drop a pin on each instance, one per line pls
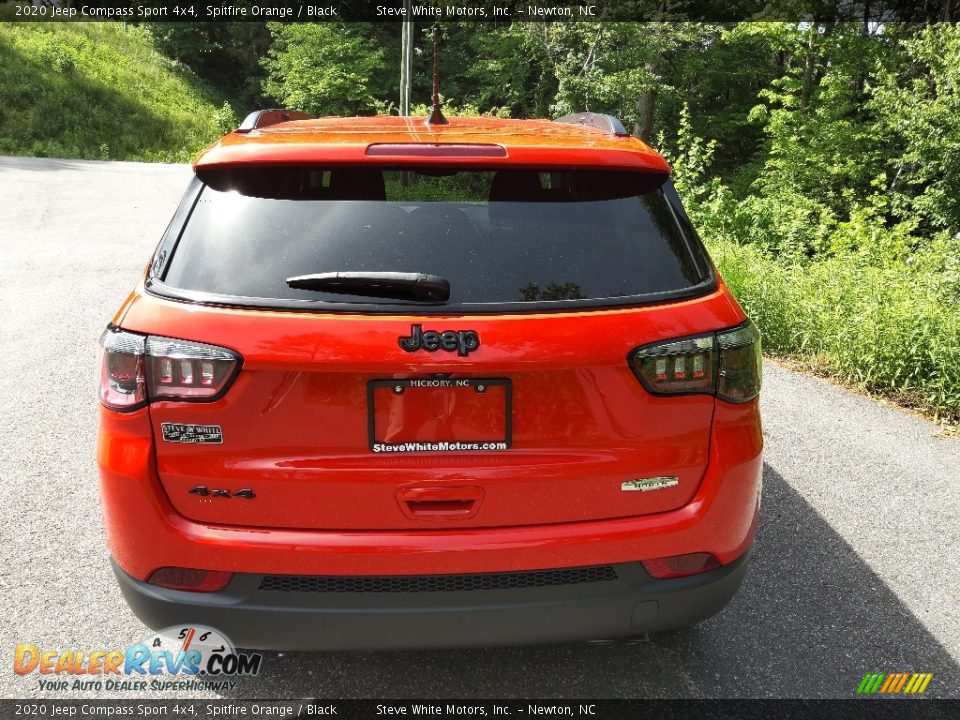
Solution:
(436, 115)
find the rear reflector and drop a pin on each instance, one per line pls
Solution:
(177, 578)
(681, 565)
(135, 369)
(459, 150)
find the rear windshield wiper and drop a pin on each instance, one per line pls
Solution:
(396, 285)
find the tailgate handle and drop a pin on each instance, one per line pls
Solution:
(440, 502)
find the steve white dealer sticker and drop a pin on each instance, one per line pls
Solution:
(179, 433)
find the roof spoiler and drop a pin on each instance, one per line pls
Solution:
(262, 118)
(598, 121)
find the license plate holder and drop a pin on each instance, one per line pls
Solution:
(439, 414)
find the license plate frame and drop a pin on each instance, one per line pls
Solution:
(416, 383)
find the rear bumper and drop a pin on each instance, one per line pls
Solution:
(145, 532)
(630, 603)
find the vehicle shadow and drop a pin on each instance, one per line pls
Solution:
(810, 620)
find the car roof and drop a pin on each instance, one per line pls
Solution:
(464, 141)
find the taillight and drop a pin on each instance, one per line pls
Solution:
(188, 370)
(135, 369)
(740, 373)
(123, 380)
(679, 366)
(726, 364)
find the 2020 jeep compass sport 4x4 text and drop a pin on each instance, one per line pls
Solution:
(390, 384)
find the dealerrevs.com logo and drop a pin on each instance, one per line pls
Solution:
(190, 658)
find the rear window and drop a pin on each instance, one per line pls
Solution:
(502, 239)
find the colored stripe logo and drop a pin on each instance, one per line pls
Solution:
(894, 683)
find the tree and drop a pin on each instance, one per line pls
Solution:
(227, 55)
(325, 68)
(919, 107)
(619, 68)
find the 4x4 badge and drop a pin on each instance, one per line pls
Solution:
(463, 341)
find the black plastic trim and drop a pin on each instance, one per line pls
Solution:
(506, 383)
(598, 121)
(255, 119)
(633, 604)
(162, 290)
(468, 582)
(171, 236)
(694, 244)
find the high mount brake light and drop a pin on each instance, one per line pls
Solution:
(455, 150)
(135, 369)
(726, 364)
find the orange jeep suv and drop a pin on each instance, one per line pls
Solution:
(391, 384)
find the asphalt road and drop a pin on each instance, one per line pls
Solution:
(856, 566)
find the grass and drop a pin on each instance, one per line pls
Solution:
(891, 330)
(100, 91)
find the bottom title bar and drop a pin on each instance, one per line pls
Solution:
(444, 709)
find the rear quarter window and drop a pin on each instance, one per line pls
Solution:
(508, 239)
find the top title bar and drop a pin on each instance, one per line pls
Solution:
(505, 11)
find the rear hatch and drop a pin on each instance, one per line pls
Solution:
(364, 402)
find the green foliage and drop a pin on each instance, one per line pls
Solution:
(422, 187)
(553, 291)
(507, 70)
(227, 55)
(465, 110)
(690, 157)
(225, 118)
(98, 91)
(837, 283)
(323, 68)
(892, 329)
(820, 161)
(919, 108)
(870, 307)
(612, 67)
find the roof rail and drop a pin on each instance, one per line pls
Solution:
(262, 118)
(598, 121)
